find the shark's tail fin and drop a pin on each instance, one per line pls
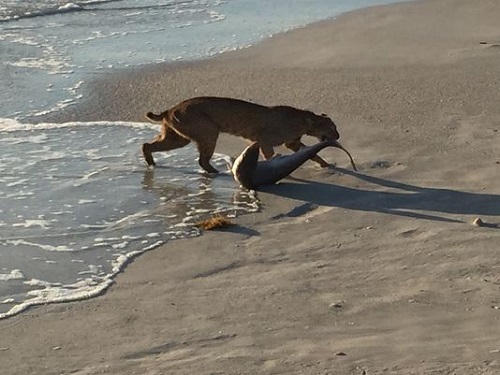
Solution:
(338, 145)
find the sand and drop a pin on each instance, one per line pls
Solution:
(380, 272)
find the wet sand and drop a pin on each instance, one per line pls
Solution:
(376, 272)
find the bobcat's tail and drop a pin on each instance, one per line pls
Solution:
(153, 117)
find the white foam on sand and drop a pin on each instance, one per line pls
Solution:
(13, 275)
(47, 292)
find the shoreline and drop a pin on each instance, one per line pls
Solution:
(126, 77)
(341, 272)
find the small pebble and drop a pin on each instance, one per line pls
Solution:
(340, 354)
(478, 222)
(56, 348)
(337, 304)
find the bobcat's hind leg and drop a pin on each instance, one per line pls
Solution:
(170, 140)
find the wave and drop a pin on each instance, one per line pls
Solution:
(8, 125)
(29, 10)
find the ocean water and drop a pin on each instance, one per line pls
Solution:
(73, 208)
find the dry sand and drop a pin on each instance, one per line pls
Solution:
(379, 272)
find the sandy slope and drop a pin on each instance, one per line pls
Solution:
(341, 273)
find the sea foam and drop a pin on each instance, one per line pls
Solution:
(76, 207)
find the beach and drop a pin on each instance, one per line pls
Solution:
(376, 272)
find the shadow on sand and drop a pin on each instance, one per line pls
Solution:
(407, 200)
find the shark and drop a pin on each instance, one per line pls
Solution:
(251, 173)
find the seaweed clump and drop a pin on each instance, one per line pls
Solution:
(215, 222)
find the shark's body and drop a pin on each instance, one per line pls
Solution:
(251, 173)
